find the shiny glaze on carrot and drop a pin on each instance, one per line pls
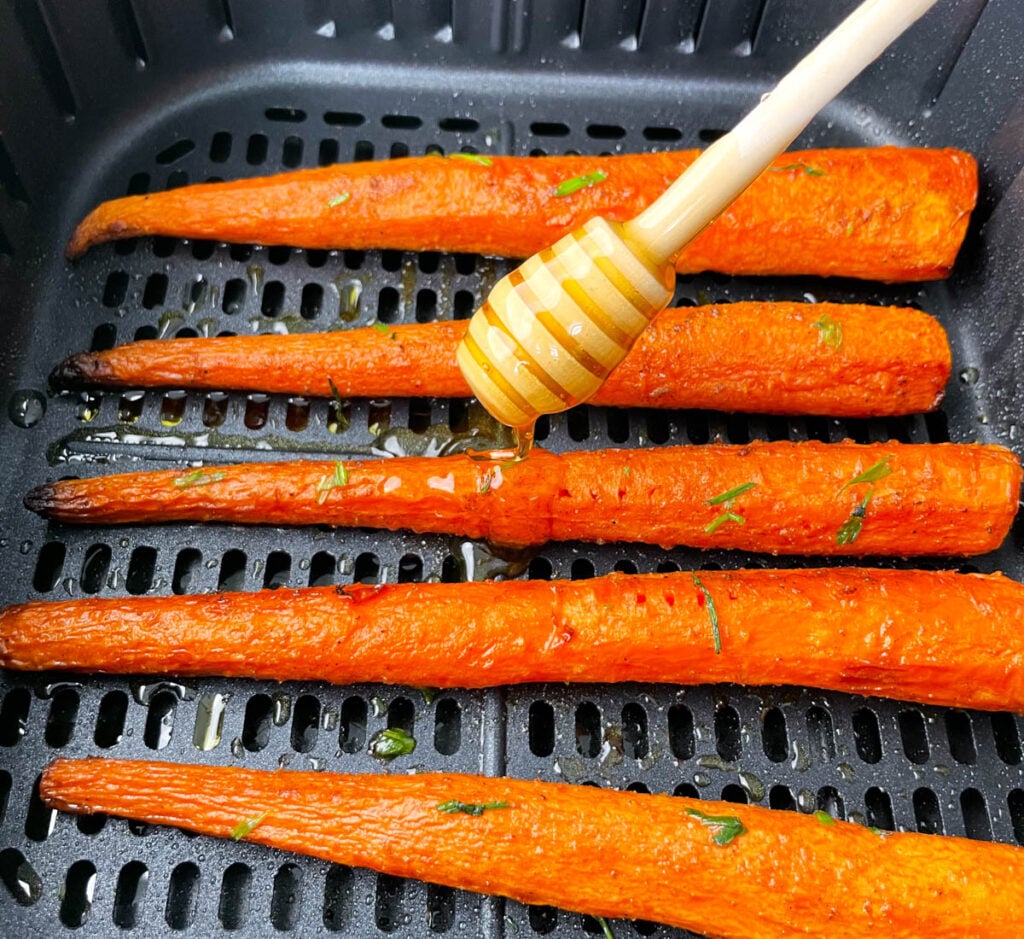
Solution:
(956, 499)
(597, 851)
(925, 636)
(879, 213)
(845, 360)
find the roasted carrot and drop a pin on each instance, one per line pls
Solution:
(930, 637)
(884, 213)
(780, 358)
(783, 498)
(726, 870)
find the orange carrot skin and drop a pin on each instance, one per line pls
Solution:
(931, 637)
(880, 213)
(761, 357)
(955, 499)
(597, 851)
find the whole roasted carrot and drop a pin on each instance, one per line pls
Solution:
(930, 637)
(783, 498)
(725, 870)
(884, 214)
(780, 358)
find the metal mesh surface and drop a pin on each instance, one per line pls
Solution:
(585, 81)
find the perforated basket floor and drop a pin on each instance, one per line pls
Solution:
(220, 90)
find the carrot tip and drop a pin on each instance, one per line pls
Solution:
(41, 500)
(76, 371)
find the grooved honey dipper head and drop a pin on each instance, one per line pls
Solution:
(551, 331)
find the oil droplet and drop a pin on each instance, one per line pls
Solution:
(26, 408)
(144, 692)
(752, 785)
(25, 547)
(847, 772)
(350, 294)
(282, 709)
(713, 761)
(805, 800)
(701, 779)
(21, 879)
(969, 375)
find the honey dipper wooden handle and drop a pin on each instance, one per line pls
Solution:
(732, 163)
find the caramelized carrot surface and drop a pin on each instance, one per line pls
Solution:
(930, 637)
(883, 213)
(793, 498)
(725, 870)
(771, 358)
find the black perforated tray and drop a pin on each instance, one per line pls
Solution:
(103, 97)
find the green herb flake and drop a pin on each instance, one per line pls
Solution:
(198, 478)
(606, 930)
(246, 826)
(390, 743)
(872, 474)
(879, 831)
(339, 407)
(484, 485)
(569, 186)
(472, 158)
(340, 199)
(849, 229)
(824, 818)
(627, 471)
(381, 327)
(709, 605)
(713, 526)
(731, 494)
(808, 170)
(375, 429)
(830, 331)
(331, 481)
(727, 828)
(850, 529)
(454, 807)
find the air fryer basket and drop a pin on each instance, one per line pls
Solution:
(103, 97)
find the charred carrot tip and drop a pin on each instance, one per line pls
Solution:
(41, 500)
(78, 371)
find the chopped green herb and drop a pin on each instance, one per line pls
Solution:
(246, 826)
(331, 481)
(380, 327)
(709, 604)
(472, 158)
(727, 827)
(627, 471)
(872, 474)
(390, 743)
(484, 486)
(830, 332)
(339, 407)
(849, 229)
(606, 930)
(824, 818)
(809, 170)
(340, 199)
(453, 807)
(375, 428)
(731, 494)
(850, 529)
(198, 478)
(722, 519)
(569, 186)
(879, 831)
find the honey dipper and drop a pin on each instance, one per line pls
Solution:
(552, 330)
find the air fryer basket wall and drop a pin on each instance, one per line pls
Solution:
(103, 97)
